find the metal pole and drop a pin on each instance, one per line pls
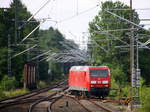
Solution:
(132, 66)
(131, 57)
(138, 72)
(137, 65)
(137, 54)
(9, 58)
(16, 26)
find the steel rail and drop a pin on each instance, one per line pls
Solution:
(103, 107)
(34, 91)
(47, 98)
(100, 106)
(49, 108)
(75, 99)
(32, 106)
(23, 98)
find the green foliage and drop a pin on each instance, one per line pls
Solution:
(118, 62)
(114, 85)
(144, 58)
(2, 94)
(105, 51)
(118, 75)
(15, 92)
(125, 91)
(50, 39)
(8, 83)
(11, 93)
(145, 98)
(43, 71)
(56, 70)
(3, 62)
(42, 84)
(53, 40)
(7, 28)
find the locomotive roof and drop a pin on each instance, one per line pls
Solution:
(82, 68)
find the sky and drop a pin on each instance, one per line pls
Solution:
(72, 17)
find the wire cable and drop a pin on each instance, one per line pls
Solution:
(34, 15)
(80, 13)
(127, 20)
(39, 10)
(23, 51)
(31, 32)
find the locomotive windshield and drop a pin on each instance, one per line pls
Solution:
(99, 73)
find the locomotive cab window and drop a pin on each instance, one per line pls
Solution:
(99, 73)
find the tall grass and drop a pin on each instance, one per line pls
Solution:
(145, 99)
(11, 93)
(42, 84)
(8, 87)
(8, 83)
(121, 92)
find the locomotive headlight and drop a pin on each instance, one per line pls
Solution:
(105, 82)
(93, 82)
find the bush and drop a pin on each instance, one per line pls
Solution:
(114, 85)
(42, 84)
(15, 92)
(8, 83)
(145, 99)
(118, 75)
(125, 91)
(2, 95)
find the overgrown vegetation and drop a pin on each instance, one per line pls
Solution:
(11, 93)
(7, 30)
(8, 83)
(144, 97)
(8, 87)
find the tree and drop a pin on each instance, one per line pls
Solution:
(50, 39)
(53, 40)
(106, 39)
(7, 27)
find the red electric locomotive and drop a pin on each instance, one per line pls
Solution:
(92, 80)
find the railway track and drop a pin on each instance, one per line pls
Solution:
(100, 106)
(93, 106)
(86, 105)
(51, 99)
(51, 102)
(49, 109)
(29, 97)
